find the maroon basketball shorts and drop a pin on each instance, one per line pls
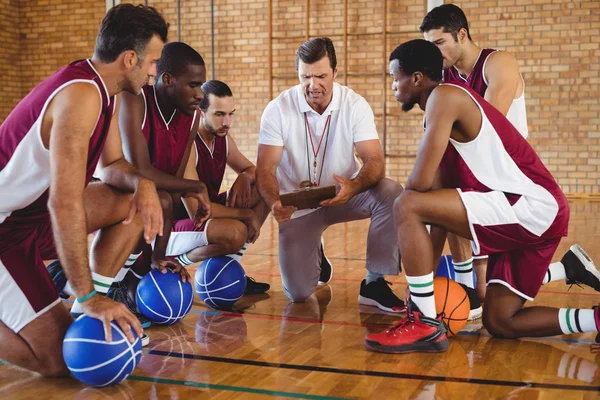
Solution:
(26, 288)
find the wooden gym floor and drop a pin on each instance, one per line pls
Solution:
(271, 348)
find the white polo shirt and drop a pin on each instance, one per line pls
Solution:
(283, 124)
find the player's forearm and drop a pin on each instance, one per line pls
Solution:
(122, 175)
(170, 183)
(251, 173)
(160, 244)
(69, 226)
(370, 174)
(221, 211)
(268, 187)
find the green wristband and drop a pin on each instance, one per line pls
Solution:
(87, 296)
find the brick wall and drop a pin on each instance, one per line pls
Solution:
(555, 41)
(10, 92)
(54, 33)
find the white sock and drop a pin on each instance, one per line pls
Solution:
(574, 320)
(130, 261)
(464, 272)
(556, 272)
(184, 260)
(238, 256)
(421, 293)
(68, 289)
(101, 285)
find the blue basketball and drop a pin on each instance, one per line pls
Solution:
(220, 282)
(163, 298)
(95, 361)
(446, 269)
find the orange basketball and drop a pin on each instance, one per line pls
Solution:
(452, 301)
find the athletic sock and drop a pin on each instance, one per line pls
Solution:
(238, 256)
(184, 260)
(421, 293)
(373, 276)
(556, 272)
(575, 320)
(464, 272)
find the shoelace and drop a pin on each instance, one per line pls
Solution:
(398, 326)
(576, 283)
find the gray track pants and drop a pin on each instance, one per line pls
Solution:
(300, 238)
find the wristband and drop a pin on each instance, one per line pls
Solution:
(86, 297)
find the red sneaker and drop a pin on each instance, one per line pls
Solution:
(415, 333)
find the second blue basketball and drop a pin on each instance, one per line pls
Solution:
(163, 298)
(220, 282)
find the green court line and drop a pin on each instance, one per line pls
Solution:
(232, 388)
(225, 387)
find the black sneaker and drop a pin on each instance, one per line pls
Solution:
(326, 267)
(380, 295)
(253, 287)
(58, 277)
(475, 301)
(119, 292)
(580, 268)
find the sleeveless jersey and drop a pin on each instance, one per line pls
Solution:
(211, 164)
(500, 159)
(167, 139)
(25, 162)
(517, 114)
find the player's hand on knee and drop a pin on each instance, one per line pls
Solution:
(282, 213)
(146, 202)
(595, 347)
(240, 192)
(253, 226)
(107, 310)
(204, 206)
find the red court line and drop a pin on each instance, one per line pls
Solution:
(404, 284)
(304, 320)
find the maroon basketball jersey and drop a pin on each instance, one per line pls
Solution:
(24, 161)
(167, 136)
(475, 80)
(501, 160)
(211, 164)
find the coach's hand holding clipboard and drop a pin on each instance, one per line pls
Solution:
(308, 197)
(348, 189)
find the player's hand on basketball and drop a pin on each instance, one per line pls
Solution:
(174, 265)
(282, 213)
(146, 202)
(348, 189)
(240, 192)
(107, 310)
(595, 347)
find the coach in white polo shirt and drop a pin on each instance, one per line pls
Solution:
(310, 133)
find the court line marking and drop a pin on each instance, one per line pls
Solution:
(369, 325)
(402, 282)
(379, 374)
(231, 388)
(203, 385)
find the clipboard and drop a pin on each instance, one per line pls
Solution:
(308, 197)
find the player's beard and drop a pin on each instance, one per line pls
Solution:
(406, 107)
